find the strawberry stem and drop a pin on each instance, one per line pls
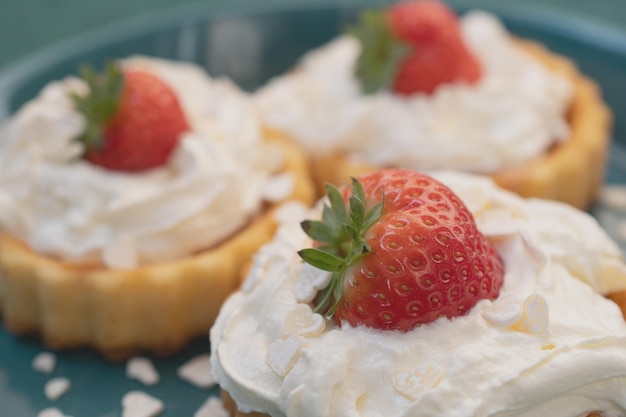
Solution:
(341, 233)
(381, 53)
(100, 105)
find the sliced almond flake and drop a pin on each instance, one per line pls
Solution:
(282, 355)
(51, 412)
(413, 383)
(302, 321)
(279, 187)
(213, 407)
(142, 370)
(56, 388)
(140, 404)
(505, 311)
(310, 281)
(44, 362)
(197, 372)
(535, 318)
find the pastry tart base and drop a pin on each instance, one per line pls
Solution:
(571, 172)
(155, 308)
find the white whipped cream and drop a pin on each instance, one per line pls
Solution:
(515, 112)
(549, 345)
(63, 206)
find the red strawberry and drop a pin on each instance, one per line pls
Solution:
(403, 262)
(423, 22)
(134, 120)
(414, 47)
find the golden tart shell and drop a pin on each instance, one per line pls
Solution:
(156, 308)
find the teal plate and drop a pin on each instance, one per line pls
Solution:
(249, 47)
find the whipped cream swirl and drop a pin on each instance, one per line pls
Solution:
(515, 112)
(549, 345)
(63, 206)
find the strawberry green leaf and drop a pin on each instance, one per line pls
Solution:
(357, 189)
(100, 104)
(359, 251)
(343, 242)
(357, 211)
(337, 291)
(336, 202)
(325, 300)
(321, 259)
(381, 53)
(373, 215)
(318, 231)
(351, 230)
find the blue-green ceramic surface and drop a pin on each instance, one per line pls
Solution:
(249, 48)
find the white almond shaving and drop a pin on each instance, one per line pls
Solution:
(140, 404)
(278, 187)
(413, 383)
(310, 281)
(535, 318)
(56, 388)
(282, 355)
(212, 407)
(197, 371)
(51, 412)
(45, 362)
(142, 370)
(505, 311)
(302, 321)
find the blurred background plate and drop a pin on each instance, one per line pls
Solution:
(250, 47)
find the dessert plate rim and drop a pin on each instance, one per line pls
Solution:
(99, 385)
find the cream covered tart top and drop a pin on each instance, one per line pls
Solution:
(59, 204)
(515, 111)
(548, 345)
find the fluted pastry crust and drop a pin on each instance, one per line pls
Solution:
(571, 172)
(155, 308)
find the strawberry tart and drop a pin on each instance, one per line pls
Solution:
(406, 294)
(414, 86)
(129, 202)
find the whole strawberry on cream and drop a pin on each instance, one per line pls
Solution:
(396, 262)
(414, 86)
(410, 295)
(179, 153)
(133, 119)
(150, 180)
